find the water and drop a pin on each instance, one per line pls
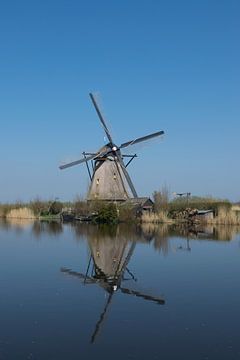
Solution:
(84, 292)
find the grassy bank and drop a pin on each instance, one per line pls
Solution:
(98, 211)
(168, 212)
(32, 210)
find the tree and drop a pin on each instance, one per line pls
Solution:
(161, 199)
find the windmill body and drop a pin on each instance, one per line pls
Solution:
(110, 180)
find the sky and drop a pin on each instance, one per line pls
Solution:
(154, 65)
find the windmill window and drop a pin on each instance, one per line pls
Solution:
(97, 181)
(114, 176)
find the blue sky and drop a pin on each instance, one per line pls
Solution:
(157, 65)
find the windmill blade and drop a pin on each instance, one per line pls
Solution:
(101, 319)
(143, 138)
(144, 296)
(85, 278)
(101, 118)
(77, 162)
(127, 177)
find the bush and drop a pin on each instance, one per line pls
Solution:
(107, 214)
(55, 208)
(80, 206)
(126, 213)
(38, 206)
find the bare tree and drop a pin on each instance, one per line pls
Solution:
(161, 198)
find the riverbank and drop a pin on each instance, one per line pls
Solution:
(101, 212)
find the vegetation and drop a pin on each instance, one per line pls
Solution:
(160, 217)
(6, 208)
(165, 211)
(21, 213)
(161, 199)
(201, 203)
(33, 209)
(225, 216)
(107, 213)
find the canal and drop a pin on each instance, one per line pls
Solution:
(126, 292)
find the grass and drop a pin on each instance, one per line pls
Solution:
(160, 217)
(200, 203)
(21, 213)
(225, 216)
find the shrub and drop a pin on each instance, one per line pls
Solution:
(55, 208)
(126, 213)
(38, 206)
(107, 214)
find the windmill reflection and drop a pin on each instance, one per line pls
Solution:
(108, 268)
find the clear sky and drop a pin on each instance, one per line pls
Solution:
(157, 65)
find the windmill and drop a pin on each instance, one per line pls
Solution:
(109, 177)
(109, 259)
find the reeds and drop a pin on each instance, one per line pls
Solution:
(21, 213)
(160, 217)
(225, 216)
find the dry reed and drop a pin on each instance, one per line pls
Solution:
(22, 213)
(156, 218)
(225, 216)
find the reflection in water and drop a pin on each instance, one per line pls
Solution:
(108, 267)
(187, 247)
(200, 287)
(38, 228)
(159, 235)
(226, 233)
(50, 227)
(111, 249)
(18, 225)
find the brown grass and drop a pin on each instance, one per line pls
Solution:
(156, 218)
(22, 213)
(225, 216)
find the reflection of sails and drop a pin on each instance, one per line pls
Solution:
(108, 267)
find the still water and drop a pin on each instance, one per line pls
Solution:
(87, 292)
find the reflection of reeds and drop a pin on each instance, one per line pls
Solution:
(156, 218)
(159, 234)
(52, 228)
(225, 216)
(21, 222)
(226, 232)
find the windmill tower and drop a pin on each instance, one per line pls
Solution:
(110, 179)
